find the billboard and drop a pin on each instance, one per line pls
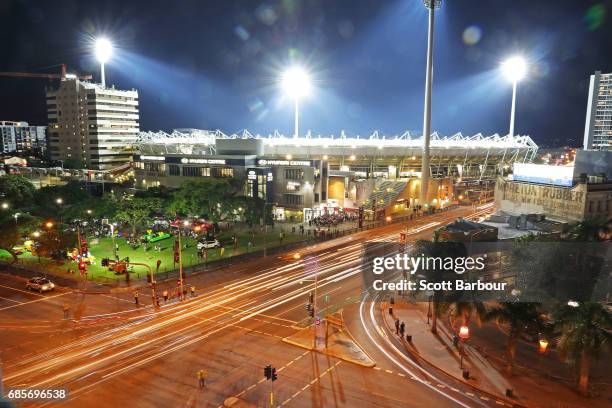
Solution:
(544, 174)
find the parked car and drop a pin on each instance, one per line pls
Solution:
(40, 284)
(208, 244)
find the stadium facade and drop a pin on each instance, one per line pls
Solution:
(310, 175)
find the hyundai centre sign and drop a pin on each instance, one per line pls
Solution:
(265, 162)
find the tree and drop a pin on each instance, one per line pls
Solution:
(135, 211)
(592, 229)
(205, 198)
(9, 238)
(518, 317)
(585, 335)
(17, 190)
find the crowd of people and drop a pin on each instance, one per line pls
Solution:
(331, 220)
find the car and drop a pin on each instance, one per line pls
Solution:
(208, 244)
(40, 284)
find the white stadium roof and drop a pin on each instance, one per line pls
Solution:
(196, 141)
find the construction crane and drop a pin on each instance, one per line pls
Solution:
(63, 75)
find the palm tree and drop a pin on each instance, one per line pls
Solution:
(592, 229)
(585, 335)
(465, 310)
(517, 317)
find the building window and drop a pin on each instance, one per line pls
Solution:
(157, 167)
(294, 174)
(174, 170)
(222, 172)
(293, 199)
(189, 171)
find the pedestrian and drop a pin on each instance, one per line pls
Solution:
(66, 311)
(157, 264)
(249, 245)
(397, 326)
(402, 329)
(136, 297)
(200, 382)
(280, 237)
(204, 374)
(192, 291)
(165, 294)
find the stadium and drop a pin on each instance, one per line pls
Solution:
(311, 175)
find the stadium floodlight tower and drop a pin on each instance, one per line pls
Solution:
(431, 6)
(103, 51)
(296, 84)
(514, 69)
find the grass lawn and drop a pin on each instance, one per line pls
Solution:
(104, 248)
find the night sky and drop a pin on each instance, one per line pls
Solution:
(215, 64)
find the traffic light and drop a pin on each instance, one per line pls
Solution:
(274, 376)
(310, 309)
(268, 371)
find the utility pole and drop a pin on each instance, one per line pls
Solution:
(180, 251)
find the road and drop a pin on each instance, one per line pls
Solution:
(143, 357)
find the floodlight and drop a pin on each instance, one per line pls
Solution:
(514, 68)
(296, 82)
(103, 50)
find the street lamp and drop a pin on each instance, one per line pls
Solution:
(49, 225)
(103, 51)
(431, 6)
(514, 69)
(59, 201)
(296, 84)
(5, 206)
(464, 334)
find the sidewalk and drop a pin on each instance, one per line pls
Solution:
(439, 350)
(484, 373)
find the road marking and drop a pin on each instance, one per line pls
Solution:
(377, 368)
(469, 393)
(21, 290)
(33, 301)
(401, 374)
(500, 402)
(441, 386)
(389, 371)
(10, 300)
(482, 397)
(314, 380)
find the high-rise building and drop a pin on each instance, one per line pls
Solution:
(90, 125)
(20, 137)
(598, 127)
